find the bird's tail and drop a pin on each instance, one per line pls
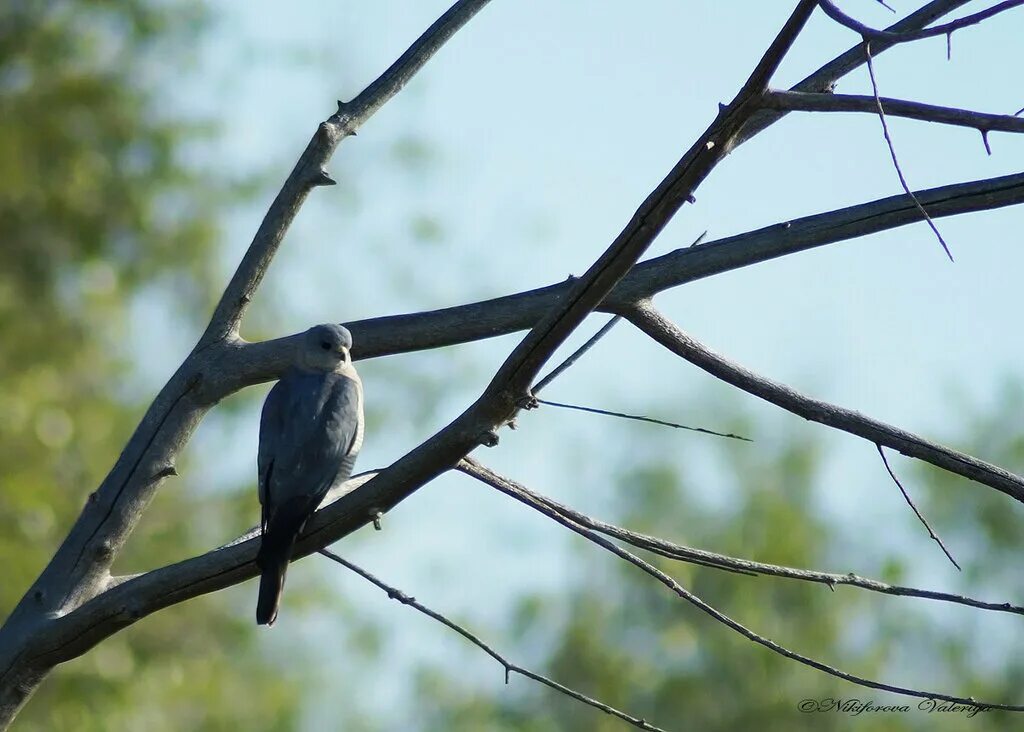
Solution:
(274, 554)
(271, 586)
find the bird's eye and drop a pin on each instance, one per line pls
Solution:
(325, 345)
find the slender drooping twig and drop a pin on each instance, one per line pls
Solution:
(910, 502)
(892, 152)
(578, 353)
(506, 486)
(510, 668)
(641, 418)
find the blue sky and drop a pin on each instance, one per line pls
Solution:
(542, 126)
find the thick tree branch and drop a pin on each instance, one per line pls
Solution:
(309, 171)
(825, 78)
(477, 425)
(57, 620)
(80, 567)
(516, 491)
(490, 318)
(803, 102)
(651, 322)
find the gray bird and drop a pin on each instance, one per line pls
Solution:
(311, 430)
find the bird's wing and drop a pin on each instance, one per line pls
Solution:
(319, 436)
(271, 426)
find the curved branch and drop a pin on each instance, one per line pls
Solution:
(946, 29)
(515, 490)
(714, 560)
(651, 322)
(510, 668)
(309, 171)
(499, 316)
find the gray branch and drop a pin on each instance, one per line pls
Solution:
(888, 36)
(518, 492)
(651, 322)
(791, 101)
(80, 567)
(75, 603)
(714, 560)
(510, 668)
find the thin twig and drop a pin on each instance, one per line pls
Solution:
(578, 353)
(640, 418)
(510, 668)
(662, 330)
(892, 152)
(910, 502)
(737, 565)
(502, 484)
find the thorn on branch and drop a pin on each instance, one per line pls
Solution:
(949, 45)
(699, 239)
(104, 550)
(691, 199)
(166, 471)
(322, 178)
(528, 402)
(984, 139)
(377, 516)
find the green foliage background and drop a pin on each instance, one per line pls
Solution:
(100, 207)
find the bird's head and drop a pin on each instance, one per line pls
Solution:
(325, 348)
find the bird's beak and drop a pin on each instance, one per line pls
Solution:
(343, 350)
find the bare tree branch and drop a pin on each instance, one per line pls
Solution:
(498, 404)
(653, 323)
(464, 323)
(910, 502)
(517, 491)
(75, 603)
(576, 355)
(804, 102)
(510, 668)
(641, 418)
(892, 153)
(714, 560)
(309, 171)
(946, 29)
(80, 567)
(825, 78)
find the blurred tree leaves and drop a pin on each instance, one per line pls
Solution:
(99, 206)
